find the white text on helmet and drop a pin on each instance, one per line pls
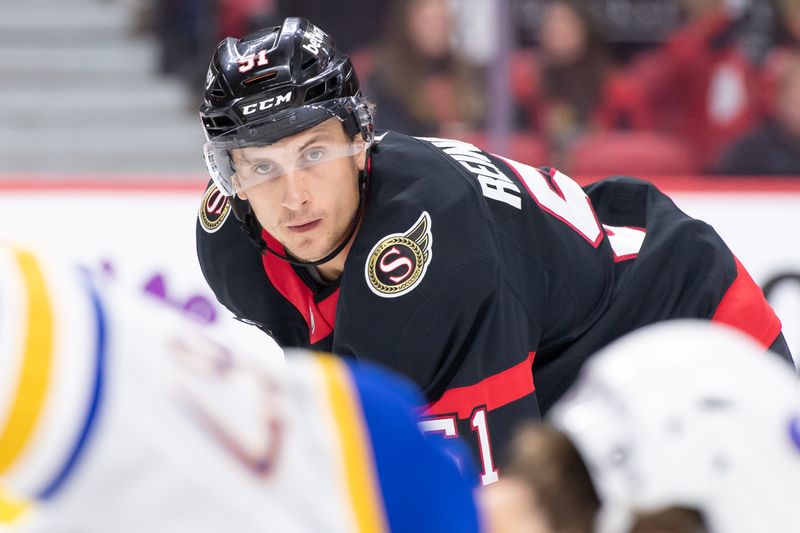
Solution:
(268, 103)
(248, 62)
(313, 40)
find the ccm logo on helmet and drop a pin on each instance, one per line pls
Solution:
(267, 103)
(312, 40)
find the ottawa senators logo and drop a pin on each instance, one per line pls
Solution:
(214, 209)
(398, 262)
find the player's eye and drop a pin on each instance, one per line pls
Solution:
(314, 155)
(259, 172)
(263, 169)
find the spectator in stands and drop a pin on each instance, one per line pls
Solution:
(789, 15)
(420, 83)
(786, 41)
(700, 85)
(574, 62)
(186, 30)
(570, 85)
(773, 148)
(240, 17)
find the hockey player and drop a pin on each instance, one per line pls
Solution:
(461, 269)
(116, 414)
(653, 437)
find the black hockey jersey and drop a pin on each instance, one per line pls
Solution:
(486, 281)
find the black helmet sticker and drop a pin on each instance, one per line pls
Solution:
(399, 261)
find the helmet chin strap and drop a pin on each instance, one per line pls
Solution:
(252, 227)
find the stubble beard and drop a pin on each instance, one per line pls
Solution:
(332, 241)
(329, 247)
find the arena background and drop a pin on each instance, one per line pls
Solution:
(100, 142)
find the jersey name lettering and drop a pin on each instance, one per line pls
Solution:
(494, 184)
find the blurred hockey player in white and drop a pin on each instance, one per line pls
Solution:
(681, 427)
(116, 414)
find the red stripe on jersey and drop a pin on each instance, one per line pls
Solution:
(320, 317)
(493, 392)
(745, 308)
(144, 183)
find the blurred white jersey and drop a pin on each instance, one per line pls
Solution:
(117, 414)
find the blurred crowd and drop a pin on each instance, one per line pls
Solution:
(696, 101)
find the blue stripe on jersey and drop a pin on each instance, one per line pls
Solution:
(100, 357)
(423, 489)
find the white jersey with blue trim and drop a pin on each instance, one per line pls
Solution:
(117, 414)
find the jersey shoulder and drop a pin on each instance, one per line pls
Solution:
(234, 270)
(412, 177)
(455, 168)
(424, 220)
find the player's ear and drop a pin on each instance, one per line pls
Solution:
(361, 161)
(237, 186)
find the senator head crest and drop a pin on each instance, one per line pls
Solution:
(398, 262)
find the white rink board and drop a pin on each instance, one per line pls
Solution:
(142, 235)
(146, 231)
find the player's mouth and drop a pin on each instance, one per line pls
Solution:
(304, 227)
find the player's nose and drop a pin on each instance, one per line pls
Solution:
(295, 191)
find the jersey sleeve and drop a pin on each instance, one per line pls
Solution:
(684, 269)
(414, 470)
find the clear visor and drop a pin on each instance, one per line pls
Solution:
(256, 165)
(260, 151)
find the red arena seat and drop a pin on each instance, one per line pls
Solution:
(524, 147)
(630, 153)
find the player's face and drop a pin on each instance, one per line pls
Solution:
(563, 34)
(310, 195)
(429, 24)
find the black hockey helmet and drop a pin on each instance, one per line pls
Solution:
(271, 84)
(274, 83)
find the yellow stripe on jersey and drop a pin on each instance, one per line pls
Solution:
(11, 508)
(37, 360)
(359, 467)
